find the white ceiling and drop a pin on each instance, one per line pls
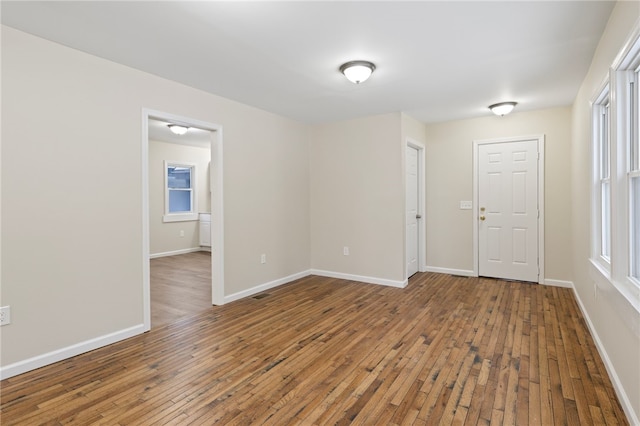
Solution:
(436, 61)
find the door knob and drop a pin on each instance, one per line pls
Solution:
(418, 216)
(482, 218)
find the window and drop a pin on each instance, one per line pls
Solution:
(633, 174)
(179, 187)
(615, 250)
(602, 181)
(180, 199)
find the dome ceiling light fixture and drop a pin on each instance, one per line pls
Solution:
(178, 129)
(502, 108)
(357, 71)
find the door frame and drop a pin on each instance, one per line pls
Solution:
(217, 210)
(476, 144)
(422, 237)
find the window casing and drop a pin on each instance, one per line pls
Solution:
(180, 202)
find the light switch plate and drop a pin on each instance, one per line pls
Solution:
(5, 315)
(466, 205)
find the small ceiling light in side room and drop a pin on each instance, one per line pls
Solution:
(357, 71)
(177, 129)
(502, 108)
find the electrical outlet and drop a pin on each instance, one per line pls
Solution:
(345, 251)
(5, 315)
(263, 258)
(181, 233)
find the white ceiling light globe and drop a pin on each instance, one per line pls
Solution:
(357, 71)
(177, 129)
(503, 108)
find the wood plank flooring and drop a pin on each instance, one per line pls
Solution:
(320, 351)
(180, 286)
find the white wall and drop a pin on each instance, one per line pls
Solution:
(357, 197)
(413, 129)
(449, 176)
(164, 237)
(615, 323)
(72, 193)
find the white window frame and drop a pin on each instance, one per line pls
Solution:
(624, 126)
(633, 167)
(629, 161)
(181, 216)
(601, 125)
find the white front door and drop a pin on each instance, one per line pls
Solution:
(508, 210)
(412, 210)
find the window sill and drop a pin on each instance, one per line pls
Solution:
(180, 217)
(601, 269)
(627, 288)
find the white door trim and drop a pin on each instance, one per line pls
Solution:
(476, 144)
(422, 237)
(217, 211)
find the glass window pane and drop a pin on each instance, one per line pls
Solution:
(179, 177)
(179, 201)
(606, 220)
(604, 143)
(635, 227)
(635, 124)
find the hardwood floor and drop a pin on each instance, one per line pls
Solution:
(180, 286)
(320, 351)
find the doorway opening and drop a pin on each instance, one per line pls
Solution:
(415, 234)
(182, 215)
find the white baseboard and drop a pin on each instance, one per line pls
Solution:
(360, 278)
(469, 273)
(266, 286)
(176, 252)
(68, 352)
(632, 416)
(275, 283)
(557, 283)
(461, 272)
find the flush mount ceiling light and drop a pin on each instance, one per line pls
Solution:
(357, 71)
(502, 108)
(178, 129)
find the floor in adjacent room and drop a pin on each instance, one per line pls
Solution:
(180, 286)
